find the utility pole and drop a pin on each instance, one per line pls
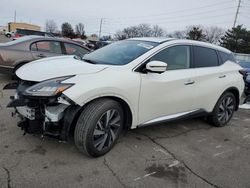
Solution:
(100, 30)
(15, 16)
(237, 12)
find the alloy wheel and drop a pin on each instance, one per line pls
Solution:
(107, 129)
(226, 109)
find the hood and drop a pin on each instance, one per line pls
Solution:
(53, 67)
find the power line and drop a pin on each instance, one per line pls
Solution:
(172, 18)
(171, 12)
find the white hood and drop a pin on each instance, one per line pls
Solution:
(53, 67)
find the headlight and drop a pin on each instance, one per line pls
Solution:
(50, 87)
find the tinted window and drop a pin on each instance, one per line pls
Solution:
(177, 57)
(47, 46)
(72, 49)
(226, 57)
(205, 57)
(120, 53)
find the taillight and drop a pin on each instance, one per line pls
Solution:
(17, 35)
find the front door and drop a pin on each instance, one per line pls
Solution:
(172, 93)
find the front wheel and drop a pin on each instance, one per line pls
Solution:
(99, 127)
(223, 110)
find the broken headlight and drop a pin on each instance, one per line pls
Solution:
(50, 87)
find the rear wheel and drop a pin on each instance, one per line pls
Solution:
(223, 110)
(99, 127)
(8, 35)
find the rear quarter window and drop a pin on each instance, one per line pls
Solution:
(226, 57)
(205, 57)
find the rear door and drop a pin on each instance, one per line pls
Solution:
(42, 49)
(210, 77)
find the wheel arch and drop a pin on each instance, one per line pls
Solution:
(78, 110)
(236, 93)
(18, 65)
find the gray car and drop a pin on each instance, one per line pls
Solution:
(16, 53)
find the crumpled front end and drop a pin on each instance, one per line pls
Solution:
(46, 115)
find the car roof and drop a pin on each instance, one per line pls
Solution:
(161, 40)
(33, 38)
(153, 39)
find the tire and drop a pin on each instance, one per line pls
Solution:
(223, 110)
(94, 135)
(8, 35)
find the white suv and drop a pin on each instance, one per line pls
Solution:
(127, 84)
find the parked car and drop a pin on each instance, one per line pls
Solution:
(125, 85)
(19, 52)
(246, 74)
(26, 32)
(9, 34)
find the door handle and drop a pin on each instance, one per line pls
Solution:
(222, 76)
(189, 82)
(41, 55)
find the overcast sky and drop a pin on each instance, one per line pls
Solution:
(170, 15)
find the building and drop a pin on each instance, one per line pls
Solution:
(12, 26)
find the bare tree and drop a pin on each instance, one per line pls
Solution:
(178, 34)
(142, 30)
(51, 26)
(80, 32)
(213, 34)
(119, 35)
(157, 31)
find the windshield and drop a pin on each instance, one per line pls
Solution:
(119, 53)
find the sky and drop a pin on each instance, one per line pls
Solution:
(171, 15)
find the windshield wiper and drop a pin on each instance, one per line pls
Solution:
(89, 61)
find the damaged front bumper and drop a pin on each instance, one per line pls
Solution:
(51, 116)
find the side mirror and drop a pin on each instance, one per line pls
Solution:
(156, 66)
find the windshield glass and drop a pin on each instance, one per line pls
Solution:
(119, 53)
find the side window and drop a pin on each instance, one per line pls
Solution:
(177, 57)
(226, 57)
(205, 57)
(72, 49)
(33, 47)
(47, 46)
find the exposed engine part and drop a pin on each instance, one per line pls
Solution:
(54, 113)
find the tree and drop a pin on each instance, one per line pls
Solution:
(119, 35)
(142, 30)
(51, 26)
(237, 40)
(67, 30)
(158, 31)
(213, 34)
(195, 33)
(178, 34)
(80, 32)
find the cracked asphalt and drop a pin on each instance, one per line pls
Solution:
(188, 153)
